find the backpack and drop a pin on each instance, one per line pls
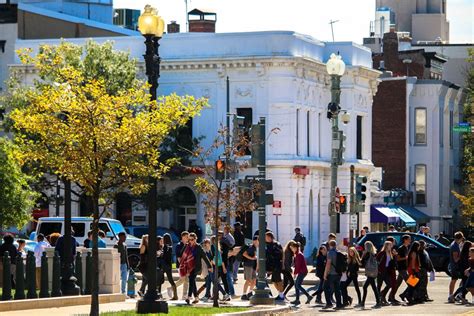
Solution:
(371, 267)
(303, 240)
(341, 262)
(240, 254)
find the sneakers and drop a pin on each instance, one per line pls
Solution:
(244, 297)
(327, 306)
(279, 298)
(378, 305)
(205, 299)
(296, 302)
(170, 292)
(308, 301)
(226, 298)
(196, 300)
(451, 299)
(461, 299)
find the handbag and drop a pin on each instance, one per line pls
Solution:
(412, 280)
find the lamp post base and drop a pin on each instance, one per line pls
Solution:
(152, 307)
(68, 281)
(262, 297)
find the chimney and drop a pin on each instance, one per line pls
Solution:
(173, 27)
(202, 21)
(390, 50)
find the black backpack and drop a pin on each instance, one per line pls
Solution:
(240, 254)
(341, 262)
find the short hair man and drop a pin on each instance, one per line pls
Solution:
(453, 267)
(122, 249)
(332, 278)
(274, 252)
(179, 253)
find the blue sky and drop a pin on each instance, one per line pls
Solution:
(305, 16)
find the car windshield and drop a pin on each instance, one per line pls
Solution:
(117, 227)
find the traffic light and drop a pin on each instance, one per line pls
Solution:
(343, 204)
(257, 147)
(342, 148)
(361, 189)
(220, 169)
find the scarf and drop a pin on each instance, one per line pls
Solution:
(186, 265)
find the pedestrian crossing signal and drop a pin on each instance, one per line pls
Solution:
(343, 204)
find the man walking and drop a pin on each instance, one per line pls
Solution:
(454, 257)
(299, 237)
(402, 263)
(179, 253)
(122, 250)
(39, 249)
(239, 242)
(332, 278)
(274, 252)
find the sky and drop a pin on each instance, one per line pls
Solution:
(304, 16)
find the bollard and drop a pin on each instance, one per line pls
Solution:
(20, 278)
(31, 275)
(7, 278)
(56, 290)
(88, 285)
(44, 283)
(78, 272)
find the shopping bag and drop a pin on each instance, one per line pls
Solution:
(412, 280)
(432, 276)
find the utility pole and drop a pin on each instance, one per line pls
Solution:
(332, 27)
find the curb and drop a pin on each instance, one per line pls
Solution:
(260, 312)
(28, 304)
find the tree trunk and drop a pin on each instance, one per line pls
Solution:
(216, 246)
(95, 258)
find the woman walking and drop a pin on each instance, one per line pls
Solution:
(167, 265)
(320, 266)
(143, 264)
(426, 266)
(460, 294)
(288, 255)
(413, 271)
(301, 270)
(469, 272)
(369, 262)
(353, 264)
(191, 265)
(386, 263)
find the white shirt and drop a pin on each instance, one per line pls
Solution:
(39, 249)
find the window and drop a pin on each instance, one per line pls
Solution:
(359, 137)
(297, 132)
(441, 128)
(48, 228)
(247, 114)
(79, 229)
(420, 127)
(105, 228)
(420, 184)
(308, 133)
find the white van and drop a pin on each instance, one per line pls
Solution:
(82, 225)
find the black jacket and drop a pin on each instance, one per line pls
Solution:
(287, 260)
(200, 254)
(274, 253)
(167, 258)
(352, 268)
(239, 238)
(12, 252)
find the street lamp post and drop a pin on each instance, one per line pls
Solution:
(335, 68)
(151, 25)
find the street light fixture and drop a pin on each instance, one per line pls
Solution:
(151, 26)
(335, 67)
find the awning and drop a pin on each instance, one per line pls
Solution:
(407, 219)
(415, 213)
(382, 214)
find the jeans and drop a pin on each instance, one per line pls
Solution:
(230, 283)
(224, 279)
(333, 286)
(123, 277)
(370, 281)
(192, 291)
(235, 269)
(319, 291)
(210, 282)
(386, 277)
(298, 286)
(288, 281)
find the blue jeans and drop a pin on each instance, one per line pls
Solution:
(210, 283)
(298, 286)
(319, 291)
(123, 277)
(235, 269)
(230, 283)
(333, 286)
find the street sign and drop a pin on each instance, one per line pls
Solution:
(277, 204)
(353, 222)
(277, 211)
(337, 204)
(462, 129)
(464, 124)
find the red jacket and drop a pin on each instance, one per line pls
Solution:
(300, 264)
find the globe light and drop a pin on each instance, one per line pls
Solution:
(148, 22)
(335, 65)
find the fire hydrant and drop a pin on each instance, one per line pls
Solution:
(132, 280)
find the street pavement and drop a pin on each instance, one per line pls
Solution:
(437, 290)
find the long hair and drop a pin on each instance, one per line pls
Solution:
(386, 246)
(355, 258)
(321, 248)
(415, 246)
(288, 252)
(370, 248)
(144, 241)
(465, 250)
(167, 239)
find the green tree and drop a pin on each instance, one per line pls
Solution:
(88, 119)
(466, 196)
(16, 197)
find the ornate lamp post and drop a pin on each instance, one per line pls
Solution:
(151, 25)
(335, 68)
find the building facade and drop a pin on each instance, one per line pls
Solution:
(280, 76)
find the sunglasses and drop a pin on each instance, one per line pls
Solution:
(192, 239)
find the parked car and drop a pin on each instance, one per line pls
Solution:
(82, 225)
(439, 253)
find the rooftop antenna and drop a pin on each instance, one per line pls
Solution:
(332, 29)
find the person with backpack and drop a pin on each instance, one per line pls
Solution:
(402, 260)
(386, 264)
(250, 268)
(426, 266)
(274, 253)
(288, 255)
(332, 276)
(353, 264)
(299, 237)
(301, 270)
(369, 262)
(320, 267)
(239, 242)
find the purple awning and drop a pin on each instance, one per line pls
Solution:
(382, 214)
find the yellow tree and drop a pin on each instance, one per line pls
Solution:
(89, 120)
